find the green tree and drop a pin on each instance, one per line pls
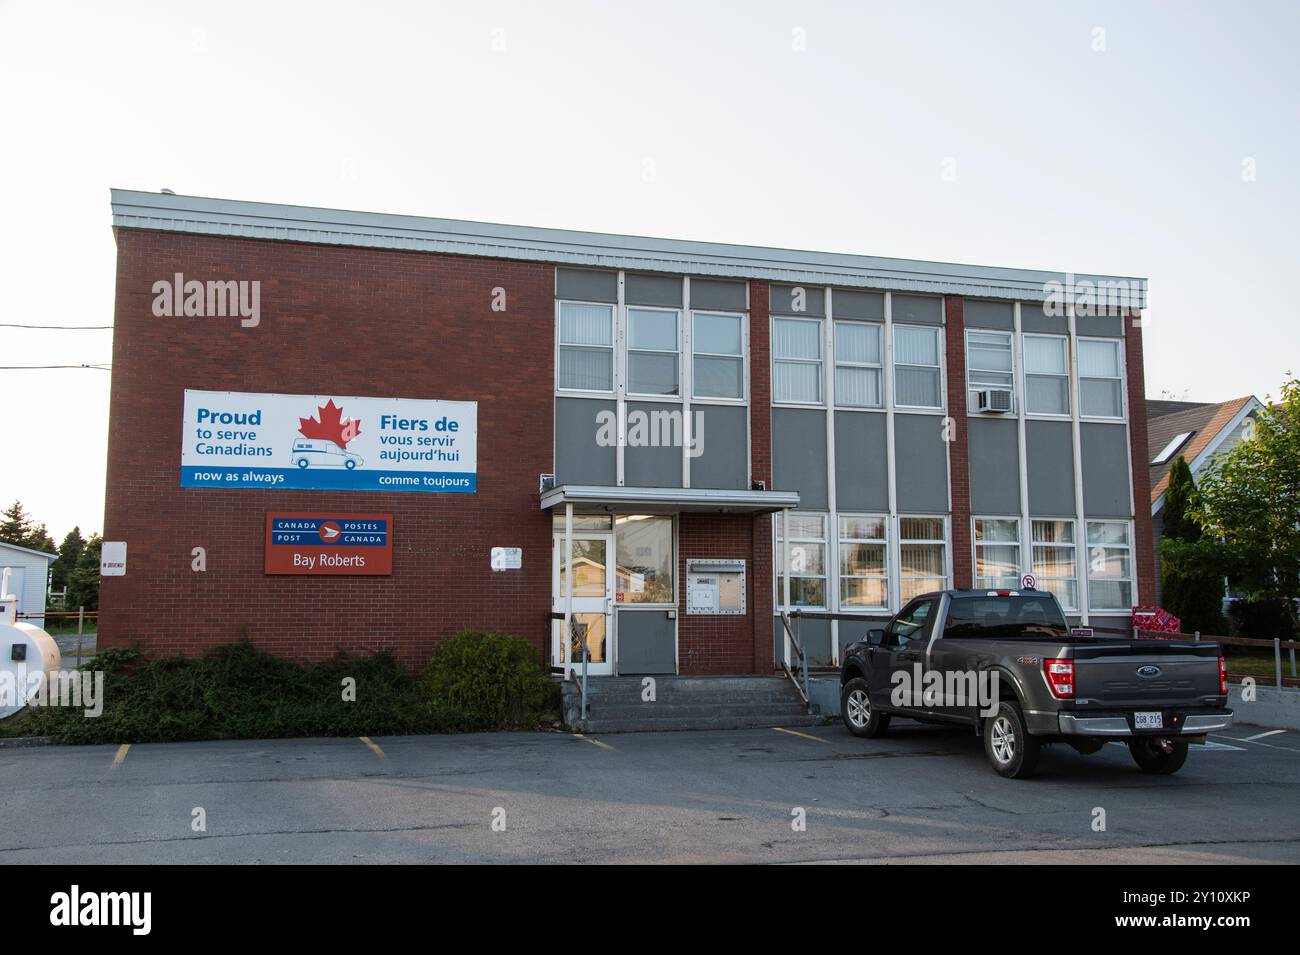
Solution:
(83, 584)
(19, 527)
(1191, 589)
(1249, 501)
(69, 552)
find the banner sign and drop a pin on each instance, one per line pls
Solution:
(329, 543)
(328, 443)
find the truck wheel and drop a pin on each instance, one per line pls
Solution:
(1157, 755)
(859, 715)
(1012, 752)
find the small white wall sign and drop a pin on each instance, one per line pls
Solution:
(507, 558)
(112, 559)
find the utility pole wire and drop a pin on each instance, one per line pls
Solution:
(103, 367)
(60, 328)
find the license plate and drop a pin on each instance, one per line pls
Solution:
(1148, 721)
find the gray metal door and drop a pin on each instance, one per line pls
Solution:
(647, 642)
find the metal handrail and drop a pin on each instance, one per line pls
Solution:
(581, 634)
(793, 637)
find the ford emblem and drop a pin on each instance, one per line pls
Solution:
(1149, 671)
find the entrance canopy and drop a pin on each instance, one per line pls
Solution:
(668, 500)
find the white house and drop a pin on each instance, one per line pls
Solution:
(29, 574)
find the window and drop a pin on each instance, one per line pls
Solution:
(1047, 375)
(643, 555)
(922, 563)
(916, 367)
(1110, 581)
(1100, 388)
(586, 347)
(1174, 444)
(652, 352)
(997, 553)
(719, 367)
(1054, 561)
(797, 348)
(988, 361)
(807, 560)
(864, 568)
(998, 618)
(912, 624)
(859, 373)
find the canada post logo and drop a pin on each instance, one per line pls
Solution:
(329, 544)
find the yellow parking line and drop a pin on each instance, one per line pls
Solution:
(121, 754)
(593, 742)
(815, 739)
(373, 745)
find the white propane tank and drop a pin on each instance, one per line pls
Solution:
(24, 650)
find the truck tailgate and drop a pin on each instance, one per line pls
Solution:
(1145, 674)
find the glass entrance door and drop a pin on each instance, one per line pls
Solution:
(593, 603)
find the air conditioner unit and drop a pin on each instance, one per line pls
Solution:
(995, 400)
(545, 482)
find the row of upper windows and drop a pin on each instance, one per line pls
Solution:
(654, 340)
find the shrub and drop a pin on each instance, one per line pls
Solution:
(493, 679)
(1261, 619)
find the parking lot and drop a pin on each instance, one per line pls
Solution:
(923, 794)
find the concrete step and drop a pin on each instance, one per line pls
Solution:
(698, 723)
(660, 711)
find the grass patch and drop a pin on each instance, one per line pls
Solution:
(239, 692)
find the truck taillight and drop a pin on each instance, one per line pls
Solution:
(1060, 678)
(1223, 676)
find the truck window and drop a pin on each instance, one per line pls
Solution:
(910, 624)
(1026, 615)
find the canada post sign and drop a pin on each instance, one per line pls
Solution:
(328, 443)
(332, 543)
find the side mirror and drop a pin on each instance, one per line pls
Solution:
(875, 638)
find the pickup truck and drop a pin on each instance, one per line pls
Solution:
(1005, 663)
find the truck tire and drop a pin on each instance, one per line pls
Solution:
(1012, 752)
(1151, 756)
(858, 714)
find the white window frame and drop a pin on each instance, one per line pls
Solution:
(943, 582)
(1118, 345)
(938, 332)
(976, 544)
(1064, 341)
(973, 384)
(878, 366)
(613, 348)
(1090, 577)
(743, 356)
(1072, 548)
(840, 576)
(820, 361)
(629, 351)
(825, 577)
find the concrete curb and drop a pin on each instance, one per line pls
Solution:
(1272, 708)
(14, 742)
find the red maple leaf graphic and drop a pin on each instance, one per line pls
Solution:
(330, 427)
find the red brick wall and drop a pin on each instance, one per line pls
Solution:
(760, 453)
(1143, 543)
(351, 322)
(720, 644)
(958, 450)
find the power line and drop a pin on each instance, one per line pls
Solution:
(100, 367)
(60, 328)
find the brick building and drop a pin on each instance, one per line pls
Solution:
(661, 408)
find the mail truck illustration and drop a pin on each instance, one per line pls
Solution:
(316, 453)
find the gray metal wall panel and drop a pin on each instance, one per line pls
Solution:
(578, 458)
(663, 290)
(781, 300)
(1000, 315)
(653, 466)
(1049, 453)
(711, 293)
(724, 443)
(647, 642)
(917, 310)
(1099, 326)
(799, 455)
(1104, 451)
(851, 303)
(815, 635)
(586, 285)
(1034, 321)
(921, 460)
(994, 466)
(861, 462)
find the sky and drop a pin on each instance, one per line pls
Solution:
(1147, 139)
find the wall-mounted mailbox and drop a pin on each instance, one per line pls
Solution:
(715, 587)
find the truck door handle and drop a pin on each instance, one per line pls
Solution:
(907, 656)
